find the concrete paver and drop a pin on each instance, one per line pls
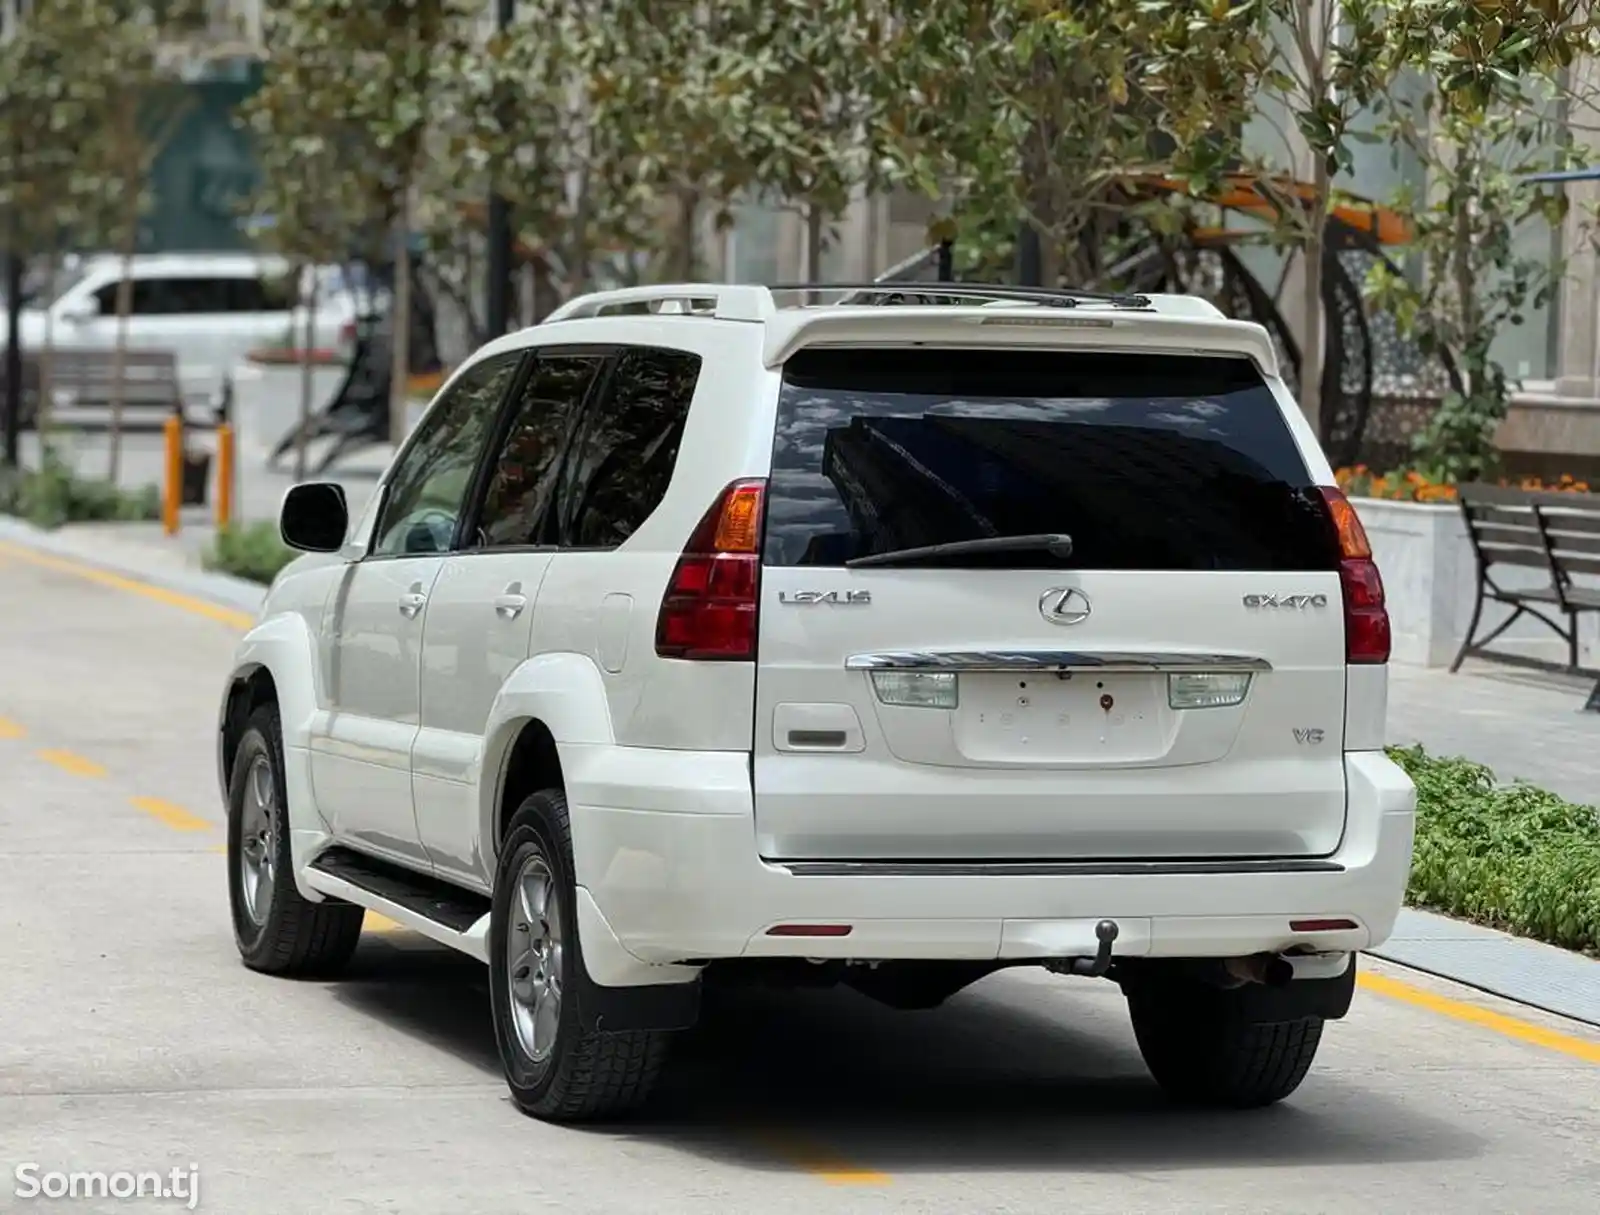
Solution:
(1520, 723)
(131, 1037)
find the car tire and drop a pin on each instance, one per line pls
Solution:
(558, 1068)
(278, 931)
(1204, 1051)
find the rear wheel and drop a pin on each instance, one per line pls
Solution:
(558, 1068)
(1203, 1048)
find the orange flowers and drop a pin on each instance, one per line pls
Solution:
(1412, 486)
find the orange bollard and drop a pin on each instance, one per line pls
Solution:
(172, 491)
(224, 476)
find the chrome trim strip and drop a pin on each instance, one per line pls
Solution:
(1051, 660)
(1219, 868)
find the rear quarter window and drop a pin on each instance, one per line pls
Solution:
(1148, 461)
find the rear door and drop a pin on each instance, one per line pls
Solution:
(1166, 682)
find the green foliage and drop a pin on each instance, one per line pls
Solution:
(1510, 856)
(344, 116)
(55, 494)
(1035, 112)
(251, 551)
(1501, 107)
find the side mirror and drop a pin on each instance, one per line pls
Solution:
(77, 312)
(314, 517)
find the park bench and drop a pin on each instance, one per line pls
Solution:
(358, 415)
(81, 385)
(1557, 534)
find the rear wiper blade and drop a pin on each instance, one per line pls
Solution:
(1054, 543)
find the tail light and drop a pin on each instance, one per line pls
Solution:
(1366, 618)
(709, 610)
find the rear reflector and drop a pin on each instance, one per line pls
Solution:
(1366, 617)
(1322, 925)
(809, 930)
(708, 612)
(1206, 689)
(917, 689)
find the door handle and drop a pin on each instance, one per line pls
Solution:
(510, 606)
(412, 603)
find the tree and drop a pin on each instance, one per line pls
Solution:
(138, 105)
(1329, 63)
(1036, 113)
(360, 86)
(318, 211)
(675, 79)
(45, 105)
(1503, 106)
(563, 153)
(811, 93)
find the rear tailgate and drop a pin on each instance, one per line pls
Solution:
(1174, 687)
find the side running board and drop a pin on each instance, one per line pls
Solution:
(446, 913)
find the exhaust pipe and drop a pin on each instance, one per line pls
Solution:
(1268, 969)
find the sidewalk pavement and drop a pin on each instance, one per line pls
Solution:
(1523, 725)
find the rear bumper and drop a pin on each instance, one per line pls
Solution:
(665, 846)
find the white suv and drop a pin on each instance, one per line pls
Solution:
(892, 642)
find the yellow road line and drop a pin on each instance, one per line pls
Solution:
(381, 923)
(175, 817)
(133, 586)
(68, 761)
(1485, 1018)
(10, 729)
(816, 1159)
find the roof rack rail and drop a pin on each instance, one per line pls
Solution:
(725, 301)
(883, 293)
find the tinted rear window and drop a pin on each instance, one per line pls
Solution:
(1149, 462)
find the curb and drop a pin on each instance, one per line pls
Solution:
(1526, 972)
(224, 590)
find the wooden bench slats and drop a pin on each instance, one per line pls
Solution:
(1578, 565)
(1570, 520)
(1576, 543)
(1506, 554)
(1523, 537)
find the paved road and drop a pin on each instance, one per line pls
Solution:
(131, 1038)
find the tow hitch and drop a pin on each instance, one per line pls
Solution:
(1093, 968)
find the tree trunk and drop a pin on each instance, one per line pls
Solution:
(307, 273)
(816, 224)
(47, 348)
(685, 252)
(1314, 335)
(119, 355)
(400, 330)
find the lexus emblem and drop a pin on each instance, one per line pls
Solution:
(1064, 605)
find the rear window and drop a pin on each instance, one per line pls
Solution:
(1148, 462)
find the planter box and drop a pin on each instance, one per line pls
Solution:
(266, 401)
(1431, 578)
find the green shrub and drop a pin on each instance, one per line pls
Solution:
(253, 552)
(1510, 856)
(55, 493)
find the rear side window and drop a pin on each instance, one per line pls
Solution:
(625, 457)
(516, 504)
(1147, 461)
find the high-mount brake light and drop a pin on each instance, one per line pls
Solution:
(1367, 634)
(708, 612)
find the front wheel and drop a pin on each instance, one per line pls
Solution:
(277, 930)
(1208, 1052)
(558, 1068)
